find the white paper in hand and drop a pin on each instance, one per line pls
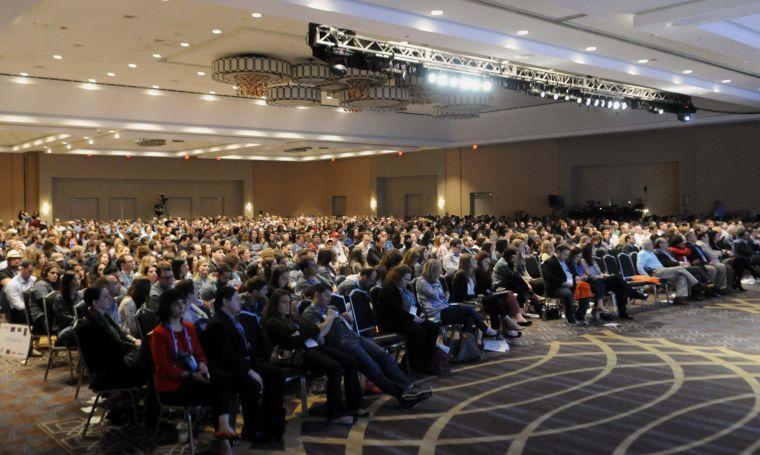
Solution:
(310, 343)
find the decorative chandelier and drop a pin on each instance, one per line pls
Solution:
(252, 74)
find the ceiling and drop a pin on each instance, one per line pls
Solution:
(161, 90)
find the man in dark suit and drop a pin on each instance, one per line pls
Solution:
(744, 247)
(377, 250)
(559, 280)
(260, 385)
(717, 271)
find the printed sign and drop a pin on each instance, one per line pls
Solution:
(14, 340)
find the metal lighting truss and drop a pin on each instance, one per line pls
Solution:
(434, 59)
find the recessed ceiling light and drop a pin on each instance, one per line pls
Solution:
(201, 73)
(256, 15)
(726, 81)
(89, 86)
(132, 65)
(216, 31)
(153, 92)
(91, 141)
(591, 49)
(522, 32)
(211, 92)
(644, 60)
(116, 136)
(156, 87)
(235, 87)
(91, 81)
(156, 55)
(23, 74)
(184, 44)
(328, 97)
(57, 57)
(110, 74)
(578, 61)
(319, 6)
(436, 12)
(687, 71)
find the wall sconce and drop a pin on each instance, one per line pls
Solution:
(248, 207)
(373, 204)
(441, 203)
(45, 209)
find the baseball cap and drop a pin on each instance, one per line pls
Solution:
(13, 254)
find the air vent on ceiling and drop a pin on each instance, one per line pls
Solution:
(148, 142)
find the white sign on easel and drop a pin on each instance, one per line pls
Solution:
(14, 340)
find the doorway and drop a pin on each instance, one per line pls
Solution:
(413, 204)
(482, 203)
(339, 205)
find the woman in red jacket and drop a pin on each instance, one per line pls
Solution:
(181, 373)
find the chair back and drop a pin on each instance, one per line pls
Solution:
(626, 266)
(634, 257)
(364, 316)
(532, 267)
(147, 320)
(444, 283)
(302, 305)
(47, 306)
(339, 302)
(28, 312)
(611, 264)
(600, 263)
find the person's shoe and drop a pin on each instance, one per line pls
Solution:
(345, 420)
(525, 323)
(739, 288)
(572, 321)
(724, 292)
(513, 334)
(639, 296)
(680, 301)
(583, 323)
(414, 396)
(626, 316)
(605, 316)
(361, 412)
(490, 332)
(533, 315)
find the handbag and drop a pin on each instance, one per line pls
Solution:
(550, 312)
(466, 349)
(440, 362)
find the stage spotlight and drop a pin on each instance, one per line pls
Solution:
(443, 80)
(556, 96)
(588, 101)
(602, 102)
(487, 85)
(684, 116)
(432, 77)
(543, 94)
(623, 106)
(596, 103)
(567, 97)
(660, 111)
(579, 100)
(609, 104)
(616, 105)
(453, 82)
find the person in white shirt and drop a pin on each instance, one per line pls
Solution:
(14, 291)
(451, 259)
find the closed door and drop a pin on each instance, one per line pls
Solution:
(212, 206)
(413, 204)
(482, 203)
(122, 208)
(83, 208)
(181, 207)
(338, 205)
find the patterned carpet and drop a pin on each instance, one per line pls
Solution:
(677, 379)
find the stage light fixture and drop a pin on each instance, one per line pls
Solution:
(596, 103)
(543, 94)
(588, 101)
(684, 116)
(567, 97)
(486, 86)
(623, 105)
(579, 100)
(556, 96)
(432, 77)
(616, 105)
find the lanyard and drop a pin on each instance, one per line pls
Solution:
(174, 339)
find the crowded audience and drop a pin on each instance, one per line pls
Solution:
(238, 304)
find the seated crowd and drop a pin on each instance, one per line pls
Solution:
(212, 311)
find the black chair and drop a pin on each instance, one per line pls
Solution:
(443, 327)
(47, 303)
(147, 320)
(35, 337)
(549, 302)
(628, 265)
(600, 263)
(302, 305)
(533, 267)
(339, 302)
(611, 264)
(106, 394)
(365, 323)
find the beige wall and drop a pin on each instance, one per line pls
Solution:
(182, 178)
(713, 162)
